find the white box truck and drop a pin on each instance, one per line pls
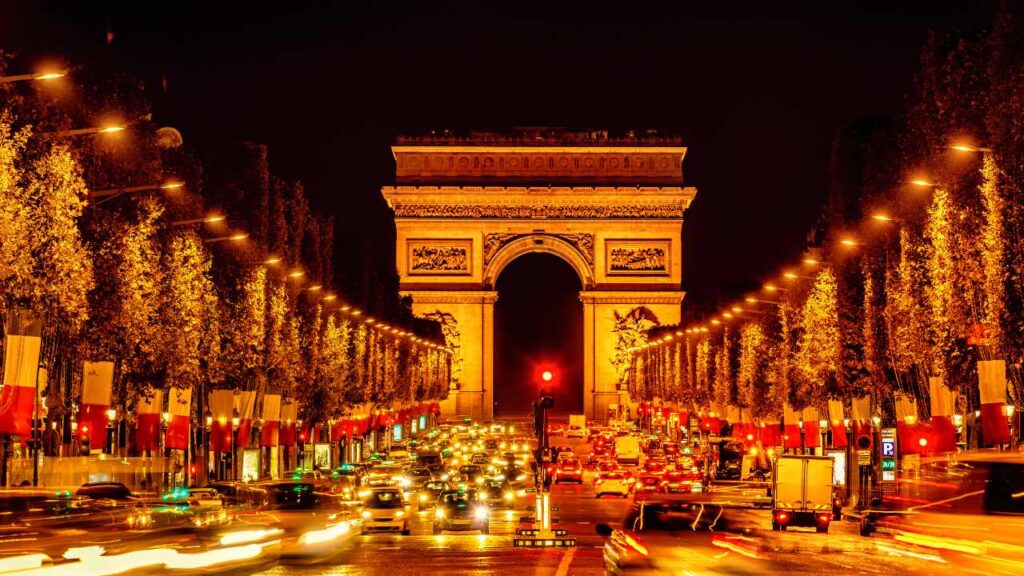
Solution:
(802, 492)
(577, 426)
(627, 450)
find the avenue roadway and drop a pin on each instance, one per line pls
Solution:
(842, 551)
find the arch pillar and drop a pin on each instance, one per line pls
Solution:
(600, 379)
(471, 317)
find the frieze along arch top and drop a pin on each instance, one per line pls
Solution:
(467, 205)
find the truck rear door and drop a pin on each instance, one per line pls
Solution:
(789, 474)
(818, 492)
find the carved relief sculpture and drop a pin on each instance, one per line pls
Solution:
(452, 339)
(432, 256)
(629, 257)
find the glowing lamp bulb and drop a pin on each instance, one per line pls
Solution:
(547, 376)
(923, 442)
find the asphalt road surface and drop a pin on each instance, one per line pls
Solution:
(841, 551)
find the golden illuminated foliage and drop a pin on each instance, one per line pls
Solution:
(817, 356)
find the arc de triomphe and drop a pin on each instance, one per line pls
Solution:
(467, 205)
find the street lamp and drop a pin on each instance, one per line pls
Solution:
(207, 220)
(823, 429)
(170, 185)
(850, 242)
(960, 147)
(36, 76)
(883, 217)
(113, 129)
(233, 238)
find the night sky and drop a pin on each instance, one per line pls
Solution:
(756, 90)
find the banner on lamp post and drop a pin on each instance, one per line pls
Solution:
(245, 406)
(269, 434)
(97, 384)
(995, 425)
(222, 409)
(147, 412)
(21, 363)
(179, 416)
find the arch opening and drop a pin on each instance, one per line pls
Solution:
(538, 325)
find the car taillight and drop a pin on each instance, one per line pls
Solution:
(781, 517)
(824, 518)
(598, 481)
(635, 544)
(559, 470)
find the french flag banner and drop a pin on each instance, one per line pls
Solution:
(995, 426)
(289, 412)
(147, 414)
(943, 406)
(97, 383)
(835, 418)
(791, 430)
(21, 361)
(222, 407)
(179, 408)
(812, 432)
(245, 405)
(271, 415)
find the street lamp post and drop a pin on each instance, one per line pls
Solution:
(35, 76)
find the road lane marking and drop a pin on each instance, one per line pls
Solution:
(563, 566)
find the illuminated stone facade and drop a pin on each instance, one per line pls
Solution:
(468, 205)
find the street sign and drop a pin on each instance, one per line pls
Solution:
(863, 457)
(888, 453)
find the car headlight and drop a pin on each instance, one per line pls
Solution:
(521, 493)
(423, 497)
(479, 480)
(439, 513)
(509, 496)
(367, 514)
(444, 477)
(400, 514)
(480, 513)
(521, 477)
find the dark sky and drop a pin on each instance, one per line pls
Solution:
(757, 90)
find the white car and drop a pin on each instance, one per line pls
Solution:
(612, 483)
(205, 497)
(385, 510)
(575, 431)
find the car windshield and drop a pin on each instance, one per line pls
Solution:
(437, 486)
(458, 498)
(385, 499)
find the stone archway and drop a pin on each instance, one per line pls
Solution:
(612, 208)
(507, 247)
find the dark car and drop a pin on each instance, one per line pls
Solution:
(427, 495)
(461, 510)
(104, 491)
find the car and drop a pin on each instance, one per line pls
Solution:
(461, 510)
(315, 523)
(207, 497)
(654, 466)
(415, 477)
(470, 474)
(568, 470)
(427, 494)
(681, 483)
(104, 491)
(615, 483)
(497, 494)
(647, 484)
(673, 536)
(480, 459)
(384, 510)
(556, 429)
(575, 431)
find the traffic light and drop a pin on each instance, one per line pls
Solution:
(864, 442)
